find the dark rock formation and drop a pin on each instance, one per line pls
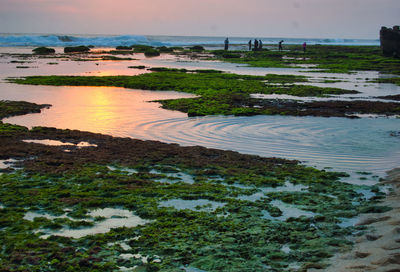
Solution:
(390, 41)
(76, 49)
(43, 50)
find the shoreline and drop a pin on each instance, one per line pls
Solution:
(378, 249)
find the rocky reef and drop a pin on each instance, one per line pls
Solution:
(390, 41)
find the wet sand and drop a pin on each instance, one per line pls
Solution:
(379, 248)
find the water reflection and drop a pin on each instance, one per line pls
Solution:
(343, 144)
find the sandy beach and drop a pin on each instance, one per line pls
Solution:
(379, 248)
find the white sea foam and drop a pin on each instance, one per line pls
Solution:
(59, 40)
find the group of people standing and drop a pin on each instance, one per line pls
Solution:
(257, 45)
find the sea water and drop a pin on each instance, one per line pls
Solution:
(366, 144)
(11, 40)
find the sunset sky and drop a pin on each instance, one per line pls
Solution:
(262, 18)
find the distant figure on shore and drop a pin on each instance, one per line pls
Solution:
(226, 42)
(260, 45)
(255, 45)
(250, 45)
(280, 48)
(304, 47)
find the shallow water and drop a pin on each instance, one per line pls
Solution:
(288, 187)
(59, 143)
(177, 177)
(7, 163)
(287, 211)
(343, 144)
(114, 218)
(195, 205)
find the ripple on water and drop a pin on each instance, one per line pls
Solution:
(340, 143)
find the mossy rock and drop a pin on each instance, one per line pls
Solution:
(140, 48)
(122, 47)
(43, 50)
(76, 49)
(226, 54)
(164, 49)
(198, 48)
(151, 52)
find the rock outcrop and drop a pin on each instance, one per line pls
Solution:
(390, 41)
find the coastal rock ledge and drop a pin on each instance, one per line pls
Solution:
(390, 41)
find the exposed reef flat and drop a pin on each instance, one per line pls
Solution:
(325, 58)
(161, 207)
(230, 94)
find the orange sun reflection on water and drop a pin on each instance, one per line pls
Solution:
(108, 110)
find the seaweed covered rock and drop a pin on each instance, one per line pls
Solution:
(43, 50)
(140, 48)
(76, 49)
(165, 49)
(121, 47)
(151, 52)
(197, 48)
(226, 55)
(390, 41)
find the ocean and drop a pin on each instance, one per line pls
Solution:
(17, 40)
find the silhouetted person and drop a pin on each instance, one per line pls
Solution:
(280, 45)
(304, 47)
(255, 45)
(260, 45)
(250, 45)
(226, 42)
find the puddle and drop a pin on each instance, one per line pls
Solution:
(191, 269)
(348, 222)
(313, 98)
(366, 193)
(194, 205)
(59, 143)
(287, 211)
(288, 187)
(144, 259)
(115, 218)
(128, 269)
(178, 177)
(7, 163)
(30, 216)
(286, 249)
(123, 244)
(123, 169)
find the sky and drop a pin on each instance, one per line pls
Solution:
(240, 18)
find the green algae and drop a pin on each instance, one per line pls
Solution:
(151, 52)
(233, 236)
(219, 93)
(12, 108)
(9, 129)
(331, 59)
(394, 80)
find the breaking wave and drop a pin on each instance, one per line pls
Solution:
(67, 40)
